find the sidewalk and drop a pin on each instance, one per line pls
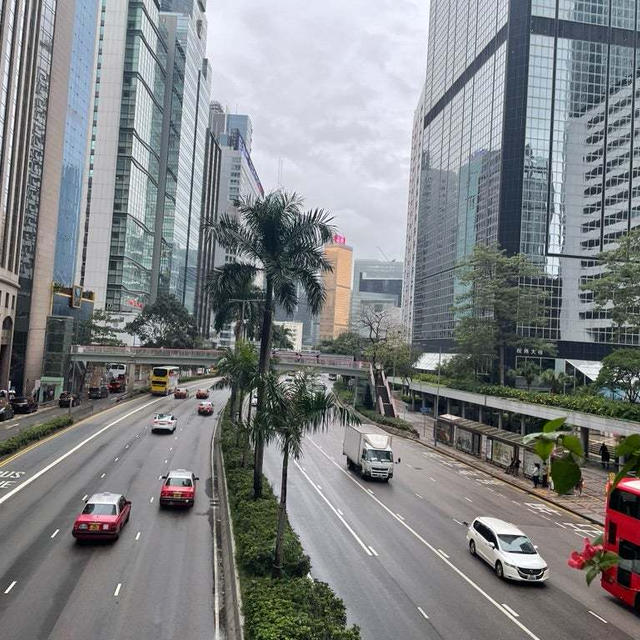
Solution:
(590, 505)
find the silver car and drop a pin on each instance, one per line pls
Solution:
(164, 423)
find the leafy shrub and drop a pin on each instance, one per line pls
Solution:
(584, 402)
(293, 606)
(398, 423)
(298, 609)
(32, 434)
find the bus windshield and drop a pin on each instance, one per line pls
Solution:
(159, 372)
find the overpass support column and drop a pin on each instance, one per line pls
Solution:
(449, 406)
(479, 413)
(523, 426)
(584, 436)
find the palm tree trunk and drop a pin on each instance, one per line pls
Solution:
(263, 367)
(282, 515)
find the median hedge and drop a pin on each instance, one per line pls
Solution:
(294, 606)
(584, 402)
(37, 432)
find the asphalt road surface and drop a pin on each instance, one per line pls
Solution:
(396, 553)
(156, 581)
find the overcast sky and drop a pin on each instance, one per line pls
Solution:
(331, 87)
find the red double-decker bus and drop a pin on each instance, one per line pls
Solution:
(622, 535)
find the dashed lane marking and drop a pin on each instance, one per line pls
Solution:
(138, 535)
(55, 533)
(595, 615)
(85, 496)
(468, 499)
(103, 475)
(373, 551)
(150, 499)
(8, 589)
(458, 522)
(419, 496)
(510, 610)
(399, 516)
(116, 459)
(117, 591)
(443, 554)
(422, 613)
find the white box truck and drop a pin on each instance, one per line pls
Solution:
(369, 453)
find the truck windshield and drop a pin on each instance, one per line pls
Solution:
(379, 456)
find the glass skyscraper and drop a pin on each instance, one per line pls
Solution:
(527, 139)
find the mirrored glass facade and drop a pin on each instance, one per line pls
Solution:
(532, 145)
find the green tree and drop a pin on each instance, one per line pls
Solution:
(346, 344)
(617, 289)
(558, 382)
(495, 303)
(621, 372)
(281, 337)
(238, 369)
(165, 323)
(274, 237)
(529, 371)
(99, 329)
(295, 409)
(235, 300)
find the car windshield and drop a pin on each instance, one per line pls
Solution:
(516, 544)
(100, 509)
(163, 417)
(179, 482)
(378, 456)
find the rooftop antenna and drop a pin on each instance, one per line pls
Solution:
(383, 254)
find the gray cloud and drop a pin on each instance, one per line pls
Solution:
(331, 87)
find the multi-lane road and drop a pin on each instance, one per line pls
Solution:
(396, 553)
(156, 581)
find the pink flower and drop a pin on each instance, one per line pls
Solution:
(576, 560)
(590, 550)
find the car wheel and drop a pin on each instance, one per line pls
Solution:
(499, 570)
(472, 547)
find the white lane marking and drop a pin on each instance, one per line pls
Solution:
(126, 446)
(71, 451)
(165, 461)
(11, 426)
(344, 522)
(468, 499)
(545, 517)
(373, 551)
(458, 522)
(450, 564)
(432, 479)
(443, 554)
(561, 525)
(371, 492)
(399, 516)
(515, 502)
(340, 512)
(117, 591)
(408, 465)
(424, 615)
(176, 438)
(419, 496)
(86, 495)
(13, 584)
(55, 533)
(510, 610)
(595, 615)
(159, 477)
(116, 459)
(103, 475)
(138, 535)
(170, 448)
(319, 488)
(151, 500)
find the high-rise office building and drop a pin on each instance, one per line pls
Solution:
(26, 38)
(377, 286)
(185, 122)
(58, 148)
(529, 141)
(334, 317)
(142, 214)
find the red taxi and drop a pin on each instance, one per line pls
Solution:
(202, 394)
(205, 408)
(181, 393)
(178, 489)
(102, 518)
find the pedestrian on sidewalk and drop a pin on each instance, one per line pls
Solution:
(516, 467)
(604, 456)
(579, 486)
(535, 476)
(545, 475)
(511, 466)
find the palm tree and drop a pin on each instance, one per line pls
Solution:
(295, 409)
(274, 237)
(238, 369)
(281, 337)
(235, 299)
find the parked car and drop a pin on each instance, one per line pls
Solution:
(181, 392)
(95, 393)
(164, 423)
(103, 517)
(202, 394)
(205, 408)
(178, 489)
(24, 404)
(6, 412)
(67, 398)
(507, 550)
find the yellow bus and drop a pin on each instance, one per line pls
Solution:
(164, 380)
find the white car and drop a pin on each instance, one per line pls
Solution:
(505, 548)
(164, 423)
